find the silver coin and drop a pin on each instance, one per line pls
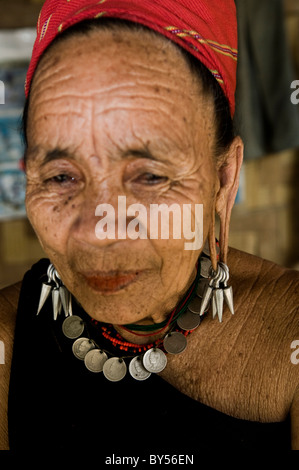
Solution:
(205, 265)
(114, 369)
(195, 305)
(188, 320)
(154, 360)
(137, 369)
(95, 360)
(73, 327)
(81, 347)
(175, 343)
(200, 290)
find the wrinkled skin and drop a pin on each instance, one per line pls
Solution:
(138, 95)
(135, 96)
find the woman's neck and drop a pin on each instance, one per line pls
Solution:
(141, 337)
(145, 336)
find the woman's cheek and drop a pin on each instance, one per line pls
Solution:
(51, 219)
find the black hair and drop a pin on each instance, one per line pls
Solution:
(224, 127)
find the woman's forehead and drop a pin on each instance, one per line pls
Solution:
(106, 57)
(140, 83)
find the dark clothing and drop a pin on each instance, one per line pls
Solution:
(56, 403)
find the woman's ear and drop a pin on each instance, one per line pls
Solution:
(229, 174)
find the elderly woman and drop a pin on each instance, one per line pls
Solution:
(117, 345)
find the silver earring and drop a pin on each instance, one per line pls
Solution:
(61, 297)
(217, 291)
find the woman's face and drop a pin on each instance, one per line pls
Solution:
(118, 114)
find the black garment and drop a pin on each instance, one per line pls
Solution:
(56, 403)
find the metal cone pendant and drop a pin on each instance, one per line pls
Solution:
(218, 296)
(228, 296)
(206, 299)
(214, 307)
(45, 292)
(70, 304)
(65, 300)
(56, 303)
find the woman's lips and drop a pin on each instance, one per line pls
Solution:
(110, 282)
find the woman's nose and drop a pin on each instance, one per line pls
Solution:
(102, 219)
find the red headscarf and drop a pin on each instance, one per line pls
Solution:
(206, 28)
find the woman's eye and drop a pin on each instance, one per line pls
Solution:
(61, 179)
(150, 178)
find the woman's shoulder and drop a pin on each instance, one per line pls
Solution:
(273, 283)
(267, 297)
(266, 292)
(249, 263)
(9, 300)
(9, 297)
(249, 356)
(245, 363)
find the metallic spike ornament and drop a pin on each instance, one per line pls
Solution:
(228, 291)
(218, 297)
(45, 292)
(56, 302)
(228, 296)
(46, 289)
(61, 297)
(66, 300)
(217, 292)
(214, 307)
(206, 298)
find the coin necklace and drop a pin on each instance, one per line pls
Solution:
(150, 358)
(209, 287)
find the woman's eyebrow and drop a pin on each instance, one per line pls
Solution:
(139, 153)
(37, 153)
(55, 154)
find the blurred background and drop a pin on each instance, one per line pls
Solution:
(265, 219)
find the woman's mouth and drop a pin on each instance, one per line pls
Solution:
(112, 281)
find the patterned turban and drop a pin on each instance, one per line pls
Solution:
(205, 28)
